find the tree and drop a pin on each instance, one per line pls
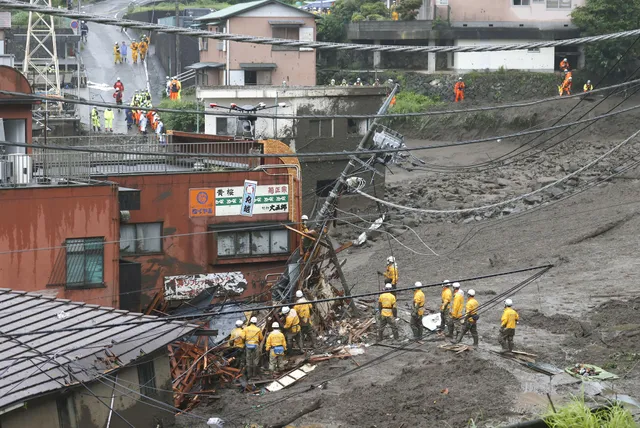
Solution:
(408, 9)
(331, 28)
(608, 16)
(186, 122)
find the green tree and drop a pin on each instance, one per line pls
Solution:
(331, 28)
(608, 16)
(186, 122)
(408, 9)
(376, 8)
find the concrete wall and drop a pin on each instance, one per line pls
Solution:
(538, 60)
(166, 51)
(42, 218)
(504, 10)
(40, 413)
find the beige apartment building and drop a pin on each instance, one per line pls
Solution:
(226, 63)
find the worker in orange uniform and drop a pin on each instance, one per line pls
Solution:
(446, 301)
(455, 313)
(508, 326)
(588, 87)
(174, 89)
(470, 321)
(303, 309)
(564, 64)
(566, 86)
(277, 344)
(458, 89)
(417, 312)
(143, 46)
(388, 313)
(252, 338)
(236, 344)
(292, 329)
(134, 51)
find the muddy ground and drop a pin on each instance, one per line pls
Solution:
(585, 309)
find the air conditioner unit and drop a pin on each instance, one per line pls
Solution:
(22, 168)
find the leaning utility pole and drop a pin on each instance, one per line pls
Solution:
(39, 60)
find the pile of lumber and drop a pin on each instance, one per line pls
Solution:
(458, 348)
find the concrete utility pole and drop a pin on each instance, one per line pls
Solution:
(177, 38)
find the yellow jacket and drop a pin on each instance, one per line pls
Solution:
(108, 114)
(418, 302)
(458, 305)
(252, 335)
(446, 298)
(303, 309)
(142, 46)
(236, 338)
(116, 50)
(509, 318)
(388, 302)
(292, 322)
(134, 46)
(275, 338)
(392, 273)
(471, 308)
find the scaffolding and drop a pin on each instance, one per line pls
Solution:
(41, 63)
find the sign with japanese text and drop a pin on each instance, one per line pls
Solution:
(248, 198)
(201, 202)
(271, 199)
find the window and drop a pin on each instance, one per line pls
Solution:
(558, 4)
(203, 43)
(521, 2)
(141, 238)
(352, 126)
(147, 378)
(288, 33)
(321, 128)
(250, 77)
(255, 243)
(324, 187)
(534, 50)
(222, 126)
(85, 260)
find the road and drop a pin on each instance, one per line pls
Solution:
(97, 55)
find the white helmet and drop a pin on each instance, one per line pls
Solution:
(299, 293)
(471, 292)
(239, 323)
(445, 283)
(275, 325)
(456, 285)
(391, 259)
(118, 79)
(570, 78)
(304, 217)
(286, 310)
(388, 286)
(565, 59)
(418, 284)
(508, 302)
(167, 77)
(459, 78)
(253, 320)
(588, 81)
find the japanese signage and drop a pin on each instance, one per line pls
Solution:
(271, 199)
(201, 202)
(185, 287)
(248, 198)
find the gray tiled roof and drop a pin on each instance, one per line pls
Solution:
(51, 356)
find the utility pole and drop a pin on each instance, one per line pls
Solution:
(177, 38)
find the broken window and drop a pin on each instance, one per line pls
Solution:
(140, 238)
(260, 242)
(279, 241)
(255, 243)
(85, 262)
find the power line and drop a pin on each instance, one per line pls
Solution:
(241, 38)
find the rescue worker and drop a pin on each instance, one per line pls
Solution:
(142, 47)
(292, 328)
(118, 96)
(388, 313)
(128, 117)
(143, 121)
(124, 51)
(134, 51)
(108, 120)
(161, 133)
(116, 54)
(252, 338)
(277, 344)
(458, 90)
(175, 89)
(303, 309)
(376, 82)
(564, 64)
(391, 272)
(119, 86)
(145, 38)
(588, 87)
(568, 73)
(470, 322)
(333, 82)
(305, 227)
(95, 119)
(236, 343)
(455, 313)
(358, 82)
(417, 311)
(344, 82)
(446, 302)
(566, 86)
(84, 31)
(167, 88)
(508, 326)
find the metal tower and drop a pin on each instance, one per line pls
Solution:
(41, 64)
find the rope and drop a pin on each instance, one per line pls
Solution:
(124, 23)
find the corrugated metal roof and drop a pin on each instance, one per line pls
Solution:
(240, 8)
(51, 357)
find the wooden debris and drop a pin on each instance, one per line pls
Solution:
(458, 348)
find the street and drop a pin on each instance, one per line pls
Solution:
(97, 55)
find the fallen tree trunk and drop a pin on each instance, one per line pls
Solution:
(311, 408)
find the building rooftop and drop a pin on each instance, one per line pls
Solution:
(238, 9)
(51, 344)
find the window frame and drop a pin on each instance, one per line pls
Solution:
(312, 133)
(286, 29)
(68, 243)
(136, 239)
(147, 386)
(513, 3)
(215, 256)
(559, 7)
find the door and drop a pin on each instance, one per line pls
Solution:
(130, 285)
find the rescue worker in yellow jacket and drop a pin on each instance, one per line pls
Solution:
(303, 309)
(134, 51)
(108, 120)
(508, 326)
(588, 87)
(292, 327)
(391, 273)
(470, 321)
(142, 47)
(388, 312)
(95, 119)
(417, 311)
(277, 344)
(252, 338)
(455, 311)
(116, 54)
(446, 296)
(236, 344)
